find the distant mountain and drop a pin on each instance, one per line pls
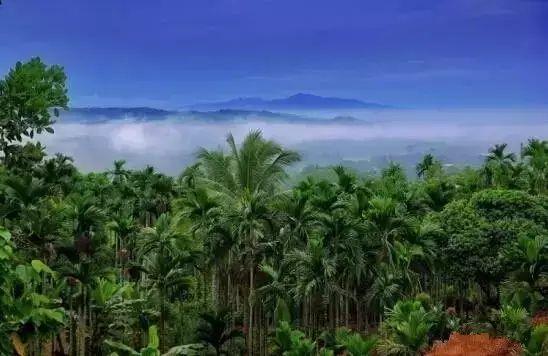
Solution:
(240, 115)
(99, 114)
(295, 102)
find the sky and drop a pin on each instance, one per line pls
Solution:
(170, 53)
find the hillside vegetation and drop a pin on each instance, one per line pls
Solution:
(225, 259)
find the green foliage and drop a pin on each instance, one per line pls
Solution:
(304, 347)
(515, 322)
(285, 337)
(538, 342)
(290, 342)
(27, 94)
(186, 350)
(480, 233)
(355, 344)
(407, 327)
(326, 352)
(150, 350)
(24, 311)
(282, 311)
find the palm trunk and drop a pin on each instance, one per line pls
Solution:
(72, 331)
(162, 321)
(250, 304)
(346, 311)
(358, 311)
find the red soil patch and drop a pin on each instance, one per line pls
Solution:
(540, 318)
(475, 345)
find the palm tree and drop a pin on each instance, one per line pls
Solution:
(214, 329)
(83, 254)
(427, 163)
(297, 219)
(165, 267)
(21, 193)
(258, 165)
(154, 192)
(274, 291)
(57, 173)
(246, 178)
(384, 222)
(536, 150)
(498, 163)
(200, 207)
(386, 289)
(188, 178)
(313, 270)
(84, 216)
(125, 229)
(438, 192)
(345, 180)
(21, 159)
(536, 154)
(423, 234)
(39, 228)
(497, 153)
(119, 173)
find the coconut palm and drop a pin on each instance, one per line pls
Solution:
(246, 178)
(258, 165)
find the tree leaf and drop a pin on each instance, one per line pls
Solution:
(5, 234)
(40, 266)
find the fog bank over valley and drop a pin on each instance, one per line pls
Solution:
(362, 139)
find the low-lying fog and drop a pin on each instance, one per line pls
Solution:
(457, 137)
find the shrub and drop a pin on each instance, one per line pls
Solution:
(538, 342)
(290, 342)
(406, 329)
(354, 344)
(515, 322)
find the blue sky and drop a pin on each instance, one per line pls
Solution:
(423, 54)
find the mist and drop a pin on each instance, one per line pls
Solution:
(457, 136)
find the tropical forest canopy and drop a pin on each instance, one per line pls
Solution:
(226, 259)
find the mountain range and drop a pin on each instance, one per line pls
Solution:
(298, 101)
(276, 110)
(95, 115)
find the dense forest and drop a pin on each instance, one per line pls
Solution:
(226, 259)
